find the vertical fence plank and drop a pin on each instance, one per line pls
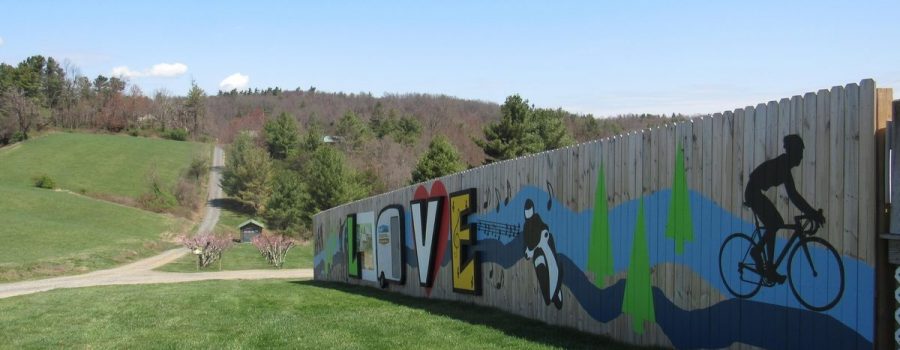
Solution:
(866, 184)
(684, 134)
(622, 330)
(851, 181)
(737, 200)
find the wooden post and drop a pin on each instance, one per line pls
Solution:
(884, 282)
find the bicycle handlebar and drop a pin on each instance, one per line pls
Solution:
(808, 224)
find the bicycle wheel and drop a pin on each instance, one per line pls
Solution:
(739, 273)
(816, 274)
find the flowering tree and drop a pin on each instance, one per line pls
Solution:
(207, 246)
(274, 247)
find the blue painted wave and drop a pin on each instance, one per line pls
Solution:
(712, 224)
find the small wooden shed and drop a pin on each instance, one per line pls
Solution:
(250, 229)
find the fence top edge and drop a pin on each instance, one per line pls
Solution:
(674, 124)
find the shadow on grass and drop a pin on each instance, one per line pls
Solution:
(512, 325)
(231, 204)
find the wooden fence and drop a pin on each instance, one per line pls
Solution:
(633, 236)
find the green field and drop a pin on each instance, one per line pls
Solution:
(267, 314)
(244, 256)
(49, 233)
(115, 165)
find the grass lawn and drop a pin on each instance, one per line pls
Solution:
(114, 165)
(49, 233)
(267, 314)
(244, 256)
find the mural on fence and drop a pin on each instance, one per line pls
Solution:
(668, 260)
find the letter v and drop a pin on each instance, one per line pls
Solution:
(425, 223)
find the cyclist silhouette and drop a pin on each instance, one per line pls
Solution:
(773, 173)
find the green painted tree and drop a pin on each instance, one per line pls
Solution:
(600, 258)
(679, 226)
(638, 301)
(352, 248)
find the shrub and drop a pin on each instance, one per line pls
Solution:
(176, 134)
(207, 246)
(44, 181)
(185, 193)
(157, 198)
(18, 136)
(274, 247)
(199, 166)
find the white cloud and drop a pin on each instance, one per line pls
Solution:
(1, 41)
(161, 70)
(234, 81)
(124, 72)
(168, 70)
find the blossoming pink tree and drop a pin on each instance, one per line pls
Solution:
(274, 247)
(207, 246)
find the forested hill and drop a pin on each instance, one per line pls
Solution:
(461, 121)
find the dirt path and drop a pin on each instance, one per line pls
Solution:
(141, 272)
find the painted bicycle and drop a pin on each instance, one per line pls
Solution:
(815, 271)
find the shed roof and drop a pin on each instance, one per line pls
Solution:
(251, 221)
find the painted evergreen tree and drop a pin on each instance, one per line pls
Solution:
(679, 226)
(638, 301)
(600, 258)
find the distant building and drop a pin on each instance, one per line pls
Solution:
(249, 229)
(332, 139)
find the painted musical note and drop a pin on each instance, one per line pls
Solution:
(487, 199)
(550, 199)
(508, 193)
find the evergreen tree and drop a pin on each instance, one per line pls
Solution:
(282, 135)
(315, 138)
(440, 159)
(638, 299)
(513, 135)
(522, 130)
(288, 208)
(195, 107)
(407, 131)
(550, 128)
(600, 258)
(248, 173)
(679, 226)
(353, 130)
(332, 182)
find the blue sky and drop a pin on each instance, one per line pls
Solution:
(599, 57)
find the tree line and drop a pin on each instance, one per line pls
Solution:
(41, 92)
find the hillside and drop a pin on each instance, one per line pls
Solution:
(57, 232)
(461, 121)
(105, 165)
